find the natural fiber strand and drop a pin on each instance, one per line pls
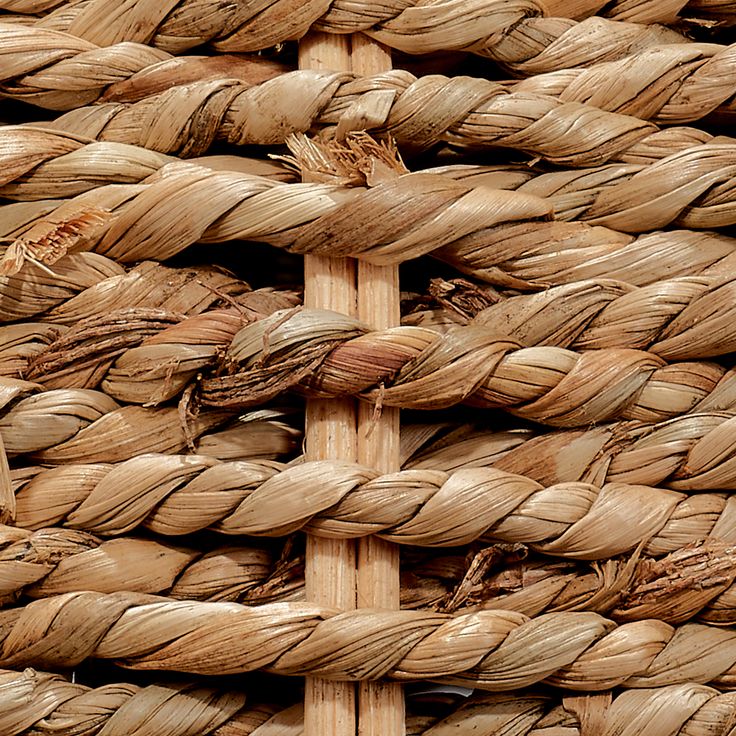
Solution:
(48, 562)
(417, 113)
(527, 255)
(176, 494)
(46, 703)
(678, 319)
(501, 650)
(693, 452)
(40, 700)
(696, 581)
(514, 34)
(59, 71)
(420, 368)
(81, 425)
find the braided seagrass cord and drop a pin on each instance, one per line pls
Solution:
(414, 367)
(172, 494)
(500, 650)
(418, 113)
(579, 535)
(44, 700)
(510, 32)
(690, 452)
(697, 580)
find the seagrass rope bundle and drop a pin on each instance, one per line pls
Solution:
(367, 368)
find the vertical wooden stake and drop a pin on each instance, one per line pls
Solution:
(331, 433)
(329, 283)
(380, 704)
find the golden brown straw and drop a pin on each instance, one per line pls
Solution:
(419, 368)
(38, 163)
(670, 710)
(340, 500)
(696, 580)
(81, 425)
(142, 355)
(52, 561)
(679, 319)
(241, 206)
(500, 651)
(674, 83)
(44, 701)
(82, 285)
(692, 186)
(59, 71)
(512, 33)
(646, 11)
(41, 699)
(523, 252)
(418, 113)
(691, 452)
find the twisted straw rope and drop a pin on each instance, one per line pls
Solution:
(147, 356)
(686, 318)
(43, 702)
(418, 113)
(645, 11)
(671, 710)
(506, 32)
(631, 197)
(693, 187)
(171, 494)
(84, 285)
(500, 650)
(418, 213)
(80, 425)
(694, 452)
(143, 355)
(39, 700)
(529, 254)
(414, 367)
(494, 235)
(52, 561)
(38, 163)
(675, 83)
(696, 580)
(59, 71)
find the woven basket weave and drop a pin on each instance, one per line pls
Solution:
(367, 368)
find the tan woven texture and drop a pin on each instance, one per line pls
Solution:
(51, 561)
(688, 318)
(172, 494)
(694, 581)
(501, 650)
(514, 33)
(691, 452)
(40, 698)
(515, 222)
(47, 702)
(317, 350)
(417, 112)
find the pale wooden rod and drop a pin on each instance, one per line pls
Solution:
(329, 707)
(380, 704)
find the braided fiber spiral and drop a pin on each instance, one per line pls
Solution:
(693, 452)
(500, 650)
(417, 112)
(513, 33)
(419, 368)
(174, 495)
